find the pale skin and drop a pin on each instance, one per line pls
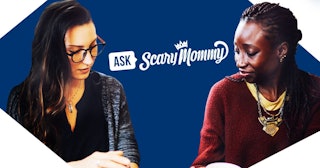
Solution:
(82, 37)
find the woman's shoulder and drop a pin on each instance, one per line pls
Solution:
(15, 91)
(230, 81)
(314, 85)
(235, 78)
(104, 79)
(315, 78)
(13, 101)
(228, 84)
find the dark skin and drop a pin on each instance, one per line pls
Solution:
(258, 60)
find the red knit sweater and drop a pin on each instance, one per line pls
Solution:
(231, 131)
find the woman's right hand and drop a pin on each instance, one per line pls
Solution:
(111, 159)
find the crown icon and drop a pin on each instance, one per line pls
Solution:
(181, 44)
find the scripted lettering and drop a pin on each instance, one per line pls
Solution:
(185, 55)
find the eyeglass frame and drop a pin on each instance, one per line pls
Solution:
(102, 42)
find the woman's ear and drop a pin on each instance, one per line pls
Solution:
(282, 51)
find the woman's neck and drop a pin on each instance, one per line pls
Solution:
(271, 86)
(271, 91)
(75, 83)
(72, 86)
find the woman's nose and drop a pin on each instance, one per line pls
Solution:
(240, 60)
(88, 59)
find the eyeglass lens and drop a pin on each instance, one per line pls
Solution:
(94, 51)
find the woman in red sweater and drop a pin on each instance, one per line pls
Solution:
(270, 103)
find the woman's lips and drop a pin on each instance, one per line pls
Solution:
(84, 70)
(244, 74)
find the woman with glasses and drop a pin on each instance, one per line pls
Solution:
(80, 114)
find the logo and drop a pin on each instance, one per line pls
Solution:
(185, 55)
(126, 60)
(181, 45)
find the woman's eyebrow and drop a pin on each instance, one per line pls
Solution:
(72, 45)
(81, 46)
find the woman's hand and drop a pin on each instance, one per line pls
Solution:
(111, 159)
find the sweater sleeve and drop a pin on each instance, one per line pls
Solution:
(127, 140)
(314, 124)
(120, 129)
(13, 101)
(211, 148)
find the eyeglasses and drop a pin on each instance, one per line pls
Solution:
(79, 55)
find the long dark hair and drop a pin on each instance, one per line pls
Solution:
(42, 94)
(280, 25)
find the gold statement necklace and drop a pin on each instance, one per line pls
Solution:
(272, 122)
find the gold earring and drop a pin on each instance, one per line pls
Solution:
(282, 58)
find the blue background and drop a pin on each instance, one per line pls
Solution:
(166, 102)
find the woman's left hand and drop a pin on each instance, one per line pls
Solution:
(111, 159)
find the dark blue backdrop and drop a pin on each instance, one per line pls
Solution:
(166, 102)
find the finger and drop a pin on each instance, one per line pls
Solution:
(115, 156)
(101, 155)
(118, 159)
(113, 164)
(120, 153)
